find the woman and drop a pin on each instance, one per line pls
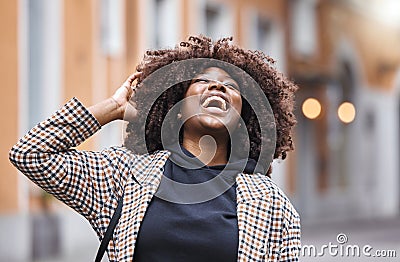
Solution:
(248, 220)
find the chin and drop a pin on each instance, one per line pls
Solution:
(212, 124)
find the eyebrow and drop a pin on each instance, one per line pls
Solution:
(205, 74)
(231, 78)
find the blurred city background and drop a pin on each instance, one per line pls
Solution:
(344, 54)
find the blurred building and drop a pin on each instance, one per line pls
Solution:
(337, 51)
(346, 52)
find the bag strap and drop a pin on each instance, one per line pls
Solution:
(110, 230)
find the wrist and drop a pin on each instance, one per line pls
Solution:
(118, 108)
(107, 111)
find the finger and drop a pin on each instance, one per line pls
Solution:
(131, 93)
(129, 86)
(134, 76)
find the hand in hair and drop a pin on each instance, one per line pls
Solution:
(123, 95)
(119, 106)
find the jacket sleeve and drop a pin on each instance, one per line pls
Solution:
(290, 248)
(84, 180)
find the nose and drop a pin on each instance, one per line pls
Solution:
(217, 85)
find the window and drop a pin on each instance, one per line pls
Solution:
(164, 26)
(44, 59)
(213, 15)
(111, 27)
(217, 21)
(304, 27)
(265, 34)
(41, 97)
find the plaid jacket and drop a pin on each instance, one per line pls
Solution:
(92, 182)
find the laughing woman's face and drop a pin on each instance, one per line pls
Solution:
(212, 102)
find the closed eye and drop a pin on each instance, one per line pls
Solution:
(229, 85)
(201, 80)
(232, 86)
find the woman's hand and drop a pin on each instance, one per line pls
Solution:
(119, 106)
(122, 97)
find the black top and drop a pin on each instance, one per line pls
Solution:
(205, 231)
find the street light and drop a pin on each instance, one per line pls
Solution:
(346, 112)
(311, 108)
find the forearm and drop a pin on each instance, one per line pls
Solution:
(65, 129)
(46, 155)
(106, 111)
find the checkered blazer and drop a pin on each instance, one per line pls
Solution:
(92, 182)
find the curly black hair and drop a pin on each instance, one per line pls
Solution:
(278, 89)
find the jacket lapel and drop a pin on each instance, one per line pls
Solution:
(253, 208)
(146, 176)
(253, 205)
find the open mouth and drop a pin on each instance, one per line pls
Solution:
(215, 101)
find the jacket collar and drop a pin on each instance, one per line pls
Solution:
(252, 197)
(149, 168)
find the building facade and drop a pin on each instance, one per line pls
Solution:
(346, 51)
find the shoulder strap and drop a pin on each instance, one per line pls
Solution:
(110, 230)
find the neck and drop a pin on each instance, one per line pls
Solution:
(211, 150)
